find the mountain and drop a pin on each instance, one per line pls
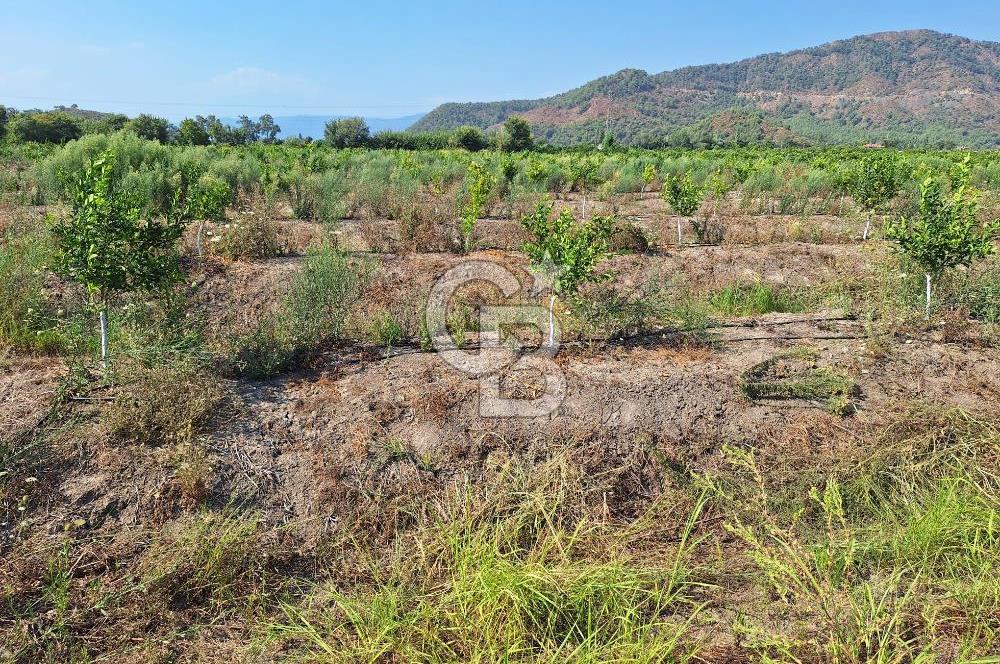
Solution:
(311, 126)
(915, 87)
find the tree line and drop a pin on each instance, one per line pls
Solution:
(62, 125)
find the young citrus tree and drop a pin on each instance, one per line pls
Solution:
(945, 233)
(684, 198)
(648, 175)
(583, 174)
(107, 245)
(872, 183)
(481, 183)
(565, 251)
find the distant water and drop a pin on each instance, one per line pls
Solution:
(311, 126)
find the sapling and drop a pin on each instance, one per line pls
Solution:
(945, 233)
(566, 250)
(872, 183)
(481, 183)
(107, 245)
(584, 173)
(648, 175)
(684, 198)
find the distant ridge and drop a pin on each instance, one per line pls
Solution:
(914, 87)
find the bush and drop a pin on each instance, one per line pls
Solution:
(313, 313)
(252, 235)
(470, 138)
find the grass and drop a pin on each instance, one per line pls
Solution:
(164, 405)
(29, 318)
(497, 575)
(904, 581)
(755, 299)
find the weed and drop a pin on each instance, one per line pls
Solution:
(776, 378)
(165, 405)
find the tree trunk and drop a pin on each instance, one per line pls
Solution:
(868, 225)
(680, 240)
(583, 209)
(198, 241)
(552, 321)
(927, 308)
(103, 318)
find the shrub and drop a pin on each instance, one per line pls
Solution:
(480, 185)
(313, 313)
(470, 138)
(253, 234)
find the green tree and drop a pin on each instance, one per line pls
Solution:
(583, 174)
(219, 132)
(4, 116)
(565, 251)
(45, 127)
(267, 129)
(111, 123)
(946, 232)
(149, 127)
(347, 133)
(470, 138)
(107, 246)
(684, 198)
(516, 135)
(872, 183)
(191, 132)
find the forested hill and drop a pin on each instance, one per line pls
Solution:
(916, 87)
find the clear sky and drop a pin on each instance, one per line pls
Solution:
(384, 59)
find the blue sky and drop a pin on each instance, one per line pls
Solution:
(387, 59)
